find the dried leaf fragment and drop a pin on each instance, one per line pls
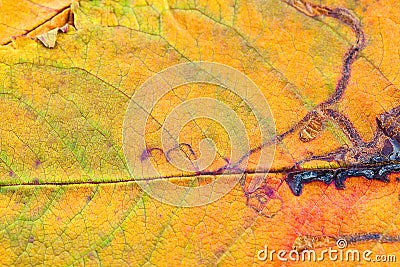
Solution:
(49, 38)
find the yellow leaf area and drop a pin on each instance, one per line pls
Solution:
(66, 195)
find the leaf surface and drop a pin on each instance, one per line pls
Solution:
(66, 195)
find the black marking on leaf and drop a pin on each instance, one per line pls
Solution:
(297, 179)
(362, 237)
(341, 176)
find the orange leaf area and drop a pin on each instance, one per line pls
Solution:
(31, 17)
(66, 194)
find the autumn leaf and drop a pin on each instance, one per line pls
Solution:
(328, 70)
